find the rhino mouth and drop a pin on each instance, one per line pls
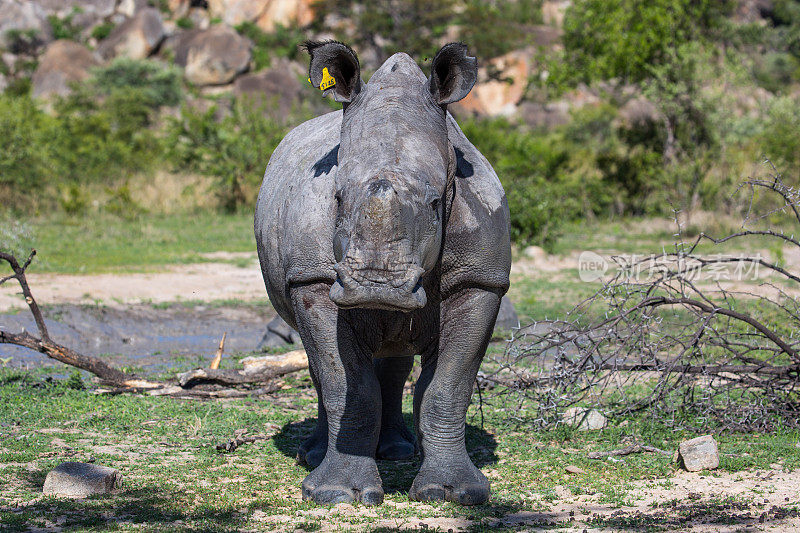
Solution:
(398, 289)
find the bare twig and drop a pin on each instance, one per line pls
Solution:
(218, 357)
(633, 448)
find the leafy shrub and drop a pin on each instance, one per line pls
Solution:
(23, 163)
(185, 23)
(283, 42)
(493, 28)
(234, 149)
(103, 30)
(780, 141)
(63, 28)
(775, 71)
(159, 85)
(622, 39)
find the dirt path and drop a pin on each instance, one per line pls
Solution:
(759, 500)
(237, 277)
(202, 281)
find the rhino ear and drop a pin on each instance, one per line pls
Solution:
(334, 69)
(453, 73)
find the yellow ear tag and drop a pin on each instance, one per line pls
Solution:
(328, 81)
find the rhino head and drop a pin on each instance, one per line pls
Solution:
(395, 164)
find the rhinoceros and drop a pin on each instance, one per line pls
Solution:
(383, 234)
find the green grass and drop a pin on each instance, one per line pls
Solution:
(174, 480)
(107, 243)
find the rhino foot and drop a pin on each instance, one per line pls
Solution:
(312, 451)
(344, 479)
(396, 444)
(463, 484)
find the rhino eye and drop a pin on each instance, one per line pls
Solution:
(338, 197)
(435, 204)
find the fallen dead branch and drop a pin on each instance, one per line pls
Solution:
(241, 437)
(633, 448)
(236, 377)
(671, 337)
(116, 381)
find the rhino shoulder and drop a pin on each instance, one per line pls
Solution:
(477, 248)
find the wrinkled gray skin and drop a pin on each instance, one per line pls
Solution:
(383, 233)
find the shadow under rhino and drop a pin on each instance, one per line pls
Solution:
(396, 475)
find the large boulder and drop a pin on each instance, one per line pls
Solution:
(286, 13)
(278, 88)
(214, 56)
(23, 16)
(501, 85)
(63, 63)
(79, 480)
(266, 14)
(129, 8)
(136, 38)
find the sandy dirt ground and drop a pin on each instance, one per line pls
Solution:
(227, 280)
(203, 281)
(759, 500)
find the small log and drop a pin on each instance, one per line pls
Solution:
(236, 377)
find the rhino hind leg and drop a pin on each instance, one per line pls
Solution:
(312, 450)
(396, 441)
(442, 396)
(351, 399)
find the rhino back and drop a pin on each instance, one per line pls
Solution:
(477, 249)
(296, 209)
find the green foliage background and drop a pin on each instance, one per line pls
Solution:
(686, 58)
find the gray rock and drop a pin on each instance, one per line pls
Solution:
(79, 480)
(136, 38)
(584, 419)
(63, 8)
(23, 15)
(64, 62)
(214, 56)
(277, 88)
(700, 453)
(507, 318)
(278, 333)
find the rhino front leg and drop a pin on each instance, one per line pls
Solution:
(443, 395)
(312, 450)
(396, 440)
(350, 397)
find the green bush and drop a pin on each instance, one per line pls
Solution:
(23, 162)
(779, 140)
(283, 42)
(158, 84)
(234, 149)
(493, 28)
(103, 30)
(63, 28)
(623, 39)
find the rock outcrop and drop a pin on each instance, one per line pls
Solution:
(63, 63)
(214, 56)
(266, 14)
(137, 37)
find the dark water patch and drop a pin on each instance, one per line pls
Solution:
(140, 336)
